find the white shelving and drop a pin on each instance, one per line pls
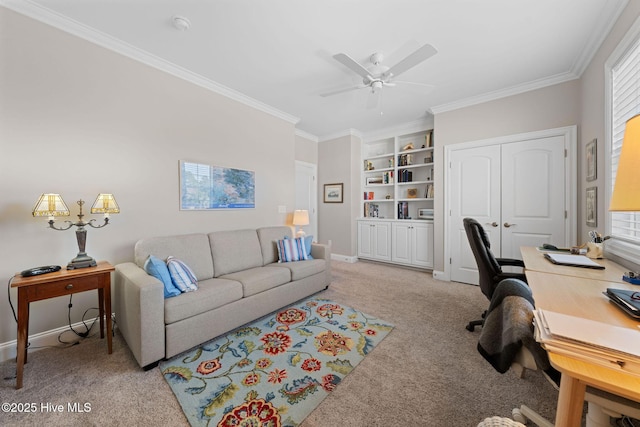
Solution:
(397, 182)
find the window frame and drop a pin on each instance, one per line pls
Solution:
(624, 249)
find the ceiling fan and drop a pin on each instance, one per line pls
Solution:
(377, 75)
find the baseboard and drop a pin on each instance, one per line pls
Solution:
(45, 339)
(440, 275)
(344, 258)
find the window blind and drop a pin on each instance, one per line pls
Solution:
(625, 91)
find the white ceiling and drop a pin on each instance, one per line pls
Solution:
(277, 54)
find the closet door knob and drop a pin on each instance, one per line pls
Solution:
(507, 225)
(494, 224)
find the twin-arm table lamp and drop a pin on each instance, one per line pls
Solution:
(51, 205)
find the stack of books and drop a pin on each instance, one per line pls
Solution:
(600, 343)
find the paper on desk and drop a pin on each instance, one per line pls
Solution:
(587, 336)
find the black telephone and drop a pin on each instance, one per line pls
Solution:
(40, 270)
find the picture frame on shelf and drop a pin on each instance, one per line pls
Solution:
(592, 160)
(333, 193)
(412, 193)
(592, 207)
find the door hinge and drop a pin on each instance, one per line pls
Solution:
(566, 214)
(449, 260)
(566, 153)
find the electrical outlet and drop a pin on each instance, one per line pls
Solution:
(282, 209)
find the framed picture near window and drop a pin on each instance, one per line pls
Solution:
(592, 160)
(592, 206)
(333, 193)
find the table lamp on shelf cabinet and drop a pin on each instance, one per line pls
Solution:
(300, 218)
(626, 191)
(52, 205)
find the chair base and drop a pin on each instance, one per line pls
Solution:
(471, 326)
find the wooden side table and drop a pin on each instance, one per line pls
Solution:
(60, 283)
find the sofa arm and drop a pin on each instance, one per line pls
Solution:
(321, 251)
(139, 309)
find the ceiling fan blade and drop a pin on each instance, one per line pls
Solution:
(336, 92)
(351, 64)
(412, 60)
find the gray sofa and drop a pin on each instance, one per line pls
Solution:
(239, 280)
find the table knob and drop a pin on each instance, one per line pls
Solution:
(69, 286)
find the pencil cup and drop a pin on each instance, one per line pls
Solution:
(595, 250)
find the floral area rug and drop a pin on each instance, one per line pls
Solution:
(275, 371)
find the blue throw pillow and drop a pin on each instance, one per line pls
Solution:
(158, 269)
(181, 275)
(290, 250)
(307, 245)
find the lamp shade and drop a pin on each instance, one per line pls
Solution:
(300, 217)
(106, 204)
(626, 191)
(50, 204)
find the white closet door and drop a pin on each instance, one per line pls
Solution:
(475, 193)
(533, 199)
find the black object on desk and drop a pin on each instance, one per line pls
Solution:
(628, 301)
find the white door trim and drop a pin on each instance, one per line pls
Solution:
(571, 176)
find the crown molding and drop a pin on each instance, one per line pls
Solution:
(401, 129)
(306, 135)
(68, 25)
(598, 36)
(347, 132)
(504, 93)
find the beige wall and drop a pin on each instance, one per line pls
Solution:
(78, 119)
(578, 102)
(306, 150)
(592, 86)
(339, 162)
(550, 107)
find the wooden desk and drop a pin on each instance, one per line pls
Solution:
(60, 283)
(582, 297)
(535, 260)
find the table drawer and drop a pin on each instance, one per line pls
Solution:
(65, 287)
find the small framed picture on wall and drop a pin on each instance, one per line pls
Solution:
(333, 193)
(592, 160)
(592, 207)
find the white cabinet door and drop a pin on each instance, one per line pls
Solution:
(401, 247)
(413, 243)
(422, 244)
(374, 240)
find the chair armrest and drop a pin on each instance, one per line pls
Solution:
(321, 251)
(510, 262)
(139, 308)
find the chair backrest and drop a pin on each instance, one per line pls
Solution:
(488, 267)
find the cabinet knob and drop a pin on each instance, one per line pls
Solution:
(69, 286)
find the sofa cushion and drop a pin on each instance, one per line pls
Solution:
(181, 275)
(268, 237)
(192, 249)
(234, 251)
(211, 294)
(301, 269)
(259, 279)
(290, 250)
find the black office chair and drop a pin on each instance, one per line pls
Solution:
(489, 267)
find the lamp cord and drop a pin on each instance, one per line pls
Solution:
(13, 310)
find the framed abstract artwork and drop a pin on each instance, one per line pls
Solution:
(204, 187)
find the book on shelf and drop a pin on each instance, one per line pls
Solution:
(403, 210)
(429, 191)
(405, 159)
(371, 210)
(405, 175)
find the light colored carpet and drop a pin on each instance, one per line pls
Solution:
(426, 372)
